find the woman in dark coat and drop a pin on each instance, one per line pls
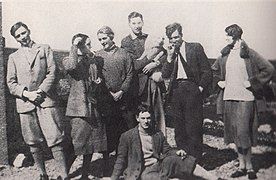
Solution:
(88, 132)
(242, 72)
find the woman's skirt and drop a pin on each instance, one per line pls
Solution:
(88, 135)
(240, 123)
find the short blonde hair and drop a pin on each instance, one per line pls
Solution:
(106, 30)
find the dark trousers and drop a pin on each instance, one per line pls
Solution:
(115, 125)
(187, 110)
(170, 167)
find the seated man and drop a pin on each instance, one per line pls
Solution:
(144, 154)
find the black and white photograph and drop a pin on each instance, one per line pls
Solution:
(137, 90)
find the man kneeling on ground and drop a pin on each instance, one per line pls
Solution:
(144, 154)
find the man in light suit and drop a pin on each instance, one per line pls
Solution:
(31, 77)
(190, 74)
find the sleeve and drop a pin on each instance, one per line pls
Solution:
(121, 161)
(205, 68)
(15, 88)
(138, 65)
(50, 78)
(129, 73)
(216, 70)
(70, 63)
(265, 68)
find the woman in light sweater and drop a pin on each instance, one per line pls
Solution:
(242, 72)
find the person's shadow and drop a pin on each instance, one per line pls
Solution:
(98, 168)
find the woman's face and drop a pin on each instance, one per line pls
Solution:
(87, 43)
(228, 39)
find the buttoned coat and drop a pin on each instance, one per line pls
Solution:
(33, 72)
(259, 72)
(130, 155)
(198, 64)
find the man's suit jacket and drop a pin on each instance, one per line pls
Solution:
(130, 155)
(198, 65)
(33, 73)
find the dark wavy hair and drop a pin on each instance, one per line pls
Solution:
(142, 108)
(17, 26)
(134, 15)
(235, 31)
(171, 28)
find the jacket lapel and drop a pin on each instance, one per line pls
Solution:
(33, 53)
(137, 142)
(188, 53)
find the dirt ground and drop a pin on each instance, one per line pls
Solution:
(218, 158)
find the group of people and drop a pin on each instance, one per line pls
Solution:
(116, 100)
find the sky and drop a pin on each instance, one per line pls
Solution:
(204, 21)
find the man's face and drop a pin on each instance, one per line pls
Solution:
(144, 120)
(136, 25)
(176, 39)
(22, 35)
(105, 41)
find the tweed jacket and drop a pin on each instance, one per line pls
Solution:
(130, 155)
(31, 72)
(79, 104)
(259, 72)
(198, 64)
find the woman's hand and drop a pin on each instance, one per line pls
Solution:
(77, 41)
(221, 84)
(117, 95)
(246, 84)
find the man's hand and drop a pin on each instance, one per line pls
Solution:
(149, 67)
(170, 53)
(181, 153)
(200, 88)
(117, 95)
(32, 95)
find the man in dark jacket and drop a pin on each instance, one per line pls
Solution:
(190, 73)
(139, 90)
(144, 153)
